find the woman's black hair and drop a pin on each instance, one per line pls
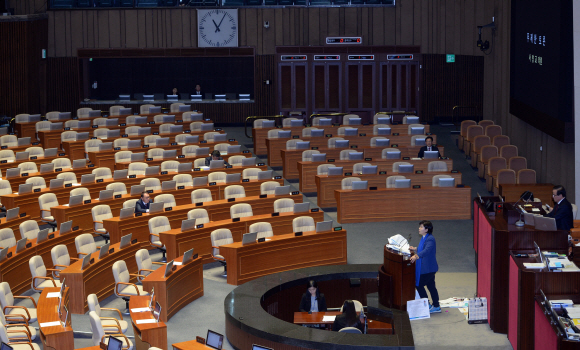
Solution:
(313, 284)
(428, 226)
(215, 153)
(349, 311)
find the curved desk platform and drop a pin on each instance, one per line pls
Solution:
(262, 311)
(146, 334)
(98, 277)
(177, 242)
(283, 253)
(54, 337)
(181, 287)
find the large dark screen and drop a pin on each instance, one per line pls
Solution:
(216, 75)
(541, 69)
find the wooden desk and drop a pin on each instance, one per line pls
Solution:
(15, 182)
(291, 157)
(177, 242)
(98, 277)
(39, 160)
(374, 326)
(276, 145)
(283, 253)
(259, 135)
(157, 162)
(308, 170)
(217, 210)
(512, 193)
(326, 185)
(146, 334)
(180, 288)
(26, 129)
(15, 270)
(403, 204)
(190, 345)
(54, 337)
(82, 216)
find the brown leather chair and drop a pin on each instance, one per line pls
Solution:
(500, 140)
(493, 130)
(463, 132)
(472, 132)
(478, 142)
(504, 177)
(508, 151)
(526, 176)
(494, 165)
(487, 152)
(517, 163)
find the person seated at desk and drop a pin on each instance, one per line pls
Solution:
(174, 91)
(312, 300)
(348, 318)
(562, 210)
(428, 147)
(198, 90)
(215, 155)
(142, 205)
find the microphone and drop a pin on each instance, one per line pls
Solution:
(519, 223)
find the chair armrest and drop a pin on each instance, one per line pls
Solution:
(23, 342)
(75, 259)
(42, 278)
(128, 284)
(97, 222)
(153, 244)
(26, 331)
(18, 319)
(145, 270)
(18, 307)
(113, 309)
(117, 326)
(48, 210)
(26, 297)
(85, 254)
(160, 263)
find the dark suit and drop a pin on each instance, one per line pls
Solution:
(340, 323)
(424, 148)
(141, 207)
(305, 303)
(210, 158)
(563, 214)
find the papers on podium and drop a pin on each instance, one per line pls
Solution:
(399, 243)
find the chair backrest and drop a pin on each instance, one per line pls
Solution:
(132, 130)
(201, 195)
(37, 269)
(143, 260)
(264, 229)
(501, 140)
(506, 177)
(474, 130)
(241, 210)
(150, 140)
(168, 200)
(183, 180)
(117, 187)
(7, 154)
(220, 237)
(273, 134)
(308, 131)
(195, 126)
(222, 147)
(236, 160)
(37, 182)
(307, 155)
(284, 205)
(29, 229)
(35, 151)
(28, 167)
(208, 136)
(85, 244)
(130, 203)
(100, 213)
(199, 162)
(357, 167)
(303, 224)
(81, 191)
(331, 143)
(100, 133)
(159, 224)
(322, 169)
(291, 144)
(464, 125)
(137, 168)
(144, 109)
(344, 154)
(517, 163)
(217, 177)
(92, 145)
(155, 153)
(63, 163)
(480, 141)
(495, 164)
(526, 176)
(485, 123)
(7, 238)
(269, 187)
(102, 173)
(152, 183)
(487, 152)
(437, 165)
(189, 150)
(258, 123)
(22, 118)
(508, 151)
(60, 256)
(234, 191)
(392, 179)
(493, 130)
(200, 215)
(100, 121)
(46, 201)
(435, 179)
(68, 177)
(346, 183)
(287, 122)
(123, 156)
(9, 140)
(169, 165)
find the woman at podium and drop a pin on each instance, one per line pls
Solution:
(426, 265)
(312, 300)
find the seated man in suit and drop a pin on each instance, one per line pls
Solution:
(562, 210)
(215, 155)
(142, 205)
(428, 147)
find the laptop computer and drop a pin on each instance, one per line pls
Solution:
(296, 123)
(319, 157)
(112, 122)
(393, 154)
(156, 109)
(412, 120)
(34, 118)
(417, 130)
(187, 256)
(56, 183)
(50, 152)
(281, 190)
(94, 114)
(233, 178)
(134, 144)
(21, 245)
(170, 154)
(402, 183)
(316, 133)
(249, 161)
(152, 170)
(354, 121)
(66, 227)
(303, 145)
(114, 344)
(13, 172)
(234, 149)
(216, 164)
(369, 169)
(325, 122)
(168, 268)
(341, 143)
(106, 195)
(260, 347)
(75, 200)
(45, 168)
(284, 134)
(350, 132)
(265, 175)
(126, 239)
(202, 151)
(22, 155)
(383, 131)
(420, 141)
(142, 121)
(138, 157)
(406, 168)
(220, 138)
(185, 167)
(24, 141)
(104, 251)
(125, 111)
(84, 124)
(324, 226)
(162, 141)
(155, 207)
(206, 127)
(87, 179)
(3, 253)
(146, 130)
(168, 185)
(79, 163)
(431, 154)
(113, 134)
(214, 340)
(157, 309)
(42, 235)
(56, 126)
(248, 238)
(168, 119)
(137, 189)
(359, 185)
(187, 225)
(176, 129)
(200, 181)
(268, 123)
(120, 174)
(82, 136)
(355, 155)
(528, 218)
(184, 108)
(191, 139)
(12, 213)
(447, 182)
(382, 142)
(301, 207)
(545, 224)
(24, 188)
(335, 171)
(126, 213)
(86, 262)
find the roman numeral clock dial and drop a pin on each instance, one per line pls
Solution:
(217, 28)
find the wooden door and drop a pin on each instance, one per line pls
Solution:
(326, 87)
(399, 86)
(360, 89)
(293, 87)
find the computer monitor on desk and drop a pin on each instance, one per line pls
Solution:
(260, 347)
(316, 133)
(214, 340)
(383, 131)
(350, 132)
(114, 344)
(325, 122)
(171, 97)
(545, 224)
(431, 154)
(406, 168)
(196, 97)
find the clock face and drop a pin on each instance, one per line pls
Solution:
(217, 28)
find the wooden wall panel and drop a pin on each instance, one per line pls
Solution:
(63, 90)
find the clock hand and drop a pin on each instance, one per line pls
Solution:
(217, 28)
(222, 20)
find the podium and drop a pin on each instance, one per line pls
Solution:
(396, 280)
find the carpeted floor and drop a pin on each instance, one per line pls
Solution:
(456, 277)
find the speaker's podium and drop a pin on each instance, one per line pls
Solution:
(396, 280)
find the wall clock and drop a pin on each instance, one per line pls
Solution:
(217, 28)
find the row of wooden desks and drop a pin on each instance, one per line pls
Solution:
(403, 204)
(326, 185)
(55, 337)
(157, 162)
(291, 157)
(375, 324)
(307, 171)
(259, 135)
(16, 181)
(275, 146)
(82, 217)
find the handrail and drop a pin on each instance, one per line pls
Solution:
(258, 117)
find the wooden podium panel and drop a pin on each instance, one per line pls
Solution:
(326, 185)
(26, 129)
(54, 337)
(403, 204)
(374, 326)
(146, 334)
(98, 277)
(177, 242)
(307, 170)
(217, 210)
(513, 192)
(283, 253)
(396, 280)
(181, 287)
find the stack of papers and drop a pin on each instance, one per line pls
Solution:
(53, 295)
(50, 324)
(140, 309)
(328, 318)
(149, 320)
(573, 312)
(534, 265)
(454, 302)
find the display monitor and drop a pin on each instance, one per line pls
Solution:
(431, 154)
(341, 143)
(406, 168)
(359, 185)
(214, 340)
(383, 131)
(402, 183)
(355, 155)
(350, 131)
(114, 344)
(248, 238)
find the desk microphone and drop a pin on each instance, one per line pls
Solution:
(519, 223)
